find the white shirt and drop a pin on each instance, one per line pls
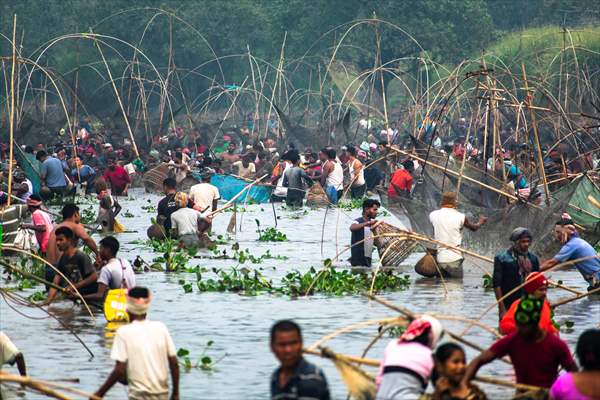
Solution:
(203, 194)
(185, 220)
(336, 176)
(145, 346)
(280, 190)
(112, 274)
(447, 225)
(361, 173)
(8, 351)
(245, 172)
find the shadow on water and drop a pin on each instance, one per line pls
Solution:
(239, 325)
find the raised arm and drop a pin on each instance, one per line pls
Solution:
(475, 227)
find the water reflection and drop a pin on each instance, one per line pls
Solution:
(240, 325)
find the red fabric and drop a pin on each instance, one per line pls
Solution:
(458, 151)
(535, 363)
(40, 217)
(118, 178)
(534, 281)
(402, 179)
(508, 324)
(415, 329)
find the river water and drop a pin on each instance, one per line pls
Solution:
(239, 325)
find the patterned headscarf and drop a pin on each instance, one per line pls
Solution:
(528, 311)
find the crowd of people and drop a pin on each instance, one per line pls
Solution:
(143, 350)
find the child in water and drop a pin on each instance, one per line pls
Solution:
(109, 208)
(451, 364)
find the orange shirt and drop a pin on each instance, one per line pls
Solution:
(508, 324)
(401, 179)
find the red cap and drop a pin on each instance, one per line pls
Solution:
(534, 281)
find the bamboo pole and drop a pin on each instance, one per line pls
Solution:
(376, 363)
(135, 148)
(12, 106)
(456, 174)
(579, 296)
(536, 135)
(45, 386)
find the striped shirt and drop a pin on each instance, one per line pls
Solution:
(307, 383)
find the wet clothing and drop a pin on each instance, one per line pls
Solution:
(167, 206)
(510, 271)
(535, 363)
(474, 394)
(8, 351)
(146, 347)
(117, 274)
(401, 180)
(373, 176)
(77, 268)
(362, 252)
(118, 179)
(576, 248)
(54, 176)
(294, 179)
(307, 383)
(564, 389)
(508, 324)
(447, 226)
(185, 221)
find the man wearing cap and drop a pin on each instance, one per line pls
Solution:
(204, 195)
(536, 286)
(534, 353)
(41, 222)
(575, 248)
(52, 173)
(143, 350)
(448, 224)
(511, 267)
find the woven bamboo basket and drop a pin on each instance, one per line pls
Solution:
(153, 179)
(392, 250)
(316, 196)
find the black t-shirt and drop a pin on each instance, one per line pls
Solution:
(76, 268)
(167, 206)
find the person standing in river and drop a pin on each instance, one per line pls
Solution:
(142, 351)
(296, 378)
(71, 220)
(448, 224)
(362, 236)
(294, 179)
(511, 267)
(41, 222)
(52, 174)
(535, 354)
(574, 248)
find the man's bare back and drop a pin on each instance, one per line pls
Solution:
(52, 252)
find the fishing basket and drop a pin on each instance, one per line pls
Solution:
(393, 250)
(153, 179)
(316, 196)
(427, 265)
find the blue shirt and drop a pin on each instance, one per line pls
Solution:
(52, 170)
(307, 383)
(514, 172)
(84, 171)
(576, 248)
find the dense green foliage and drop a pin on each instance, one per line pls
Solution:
(448, 30)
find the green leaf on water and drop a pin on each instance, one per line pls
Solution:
(183, 352)
(569, 324)
(206, 360)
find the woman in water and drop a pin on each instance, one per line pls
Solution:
(451, 364)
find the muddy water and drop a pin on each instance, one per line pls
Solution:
(239, 325)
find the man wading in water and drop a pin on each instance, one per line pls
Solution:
(142, 351)
(362, 236)
(296, 378)
(448, 224)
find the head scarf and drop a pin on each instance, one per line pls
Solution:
(449, 200)
(138, 305)
(529, 311)
(520, 233)
(419, 325)
(534, 281)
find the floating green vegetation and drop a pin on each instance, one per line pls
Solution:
(174, 257)
(243, 255)
(270, 234)
(88, 215)
(329, 281)
(127, 214)
(350, 204)
(204, 362)
(395, 331)
(487, 282)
